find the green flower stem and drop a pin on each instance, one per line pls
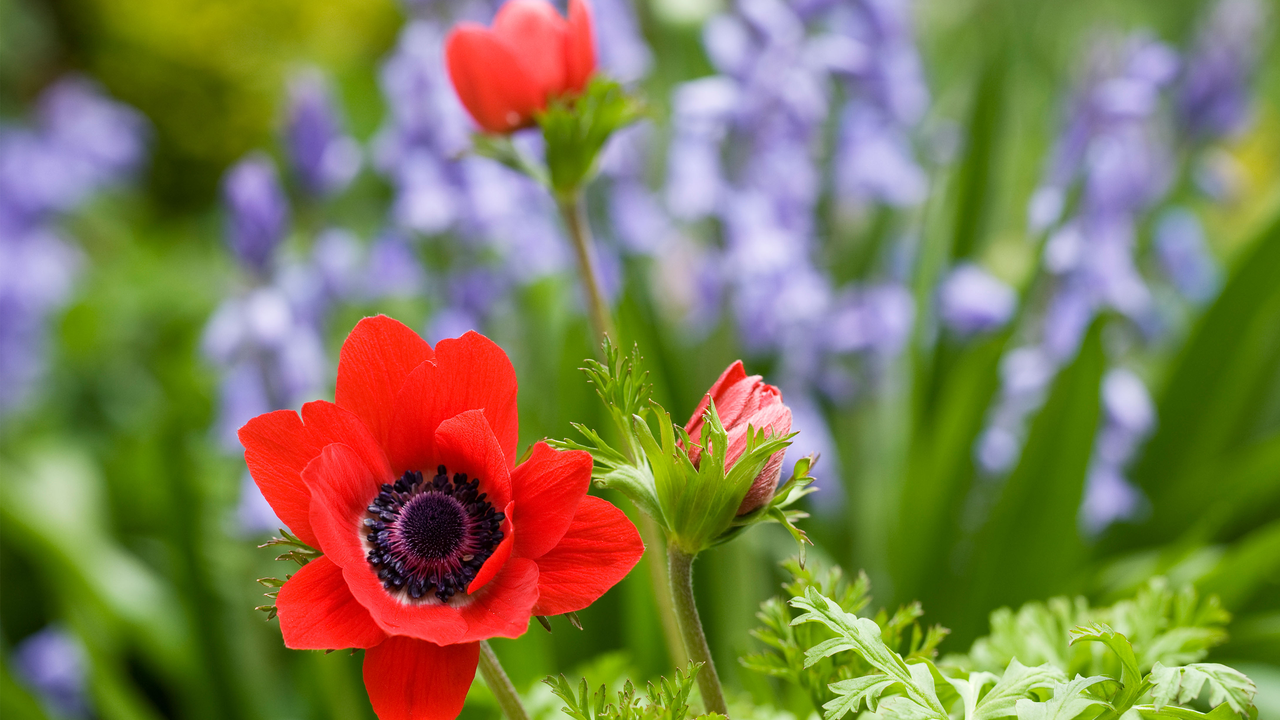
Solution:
(651, 536)
(695, 640)
(575, 219)
(499, 684)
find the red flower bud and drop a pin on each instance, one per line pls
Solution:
(506, 73)
(743, 401)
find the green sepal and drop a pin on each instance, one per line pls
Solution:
(501, 149)
(700, 504)
(576, 128)
(779, 510)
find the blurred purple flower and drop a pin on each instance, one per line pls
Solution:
(1214, 98)
(324, 158)
(108, 136)
(1184, 255)
(53, 665)
(1108, 497)
(971, 300)
(878, 319)
(998, 449)
(1128, 417)
(393, 269)
(82, 143)
(257, 211)
(875, 162)
(623, 53)
(270, 353)
(1127, 403)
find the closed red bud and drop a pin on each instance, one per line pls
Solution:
(506, 73)
(744, 401)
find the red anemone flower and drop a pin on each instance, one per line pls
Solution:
(506, 73)
(743, 402)
(433, 538)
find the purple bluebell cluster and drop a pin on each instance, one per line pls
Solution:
(266, 340)
(323, 157)
(745, 151)
(52, 665)
(81, 143)
(1112, 170)
(1214, 99)
(1112, 156)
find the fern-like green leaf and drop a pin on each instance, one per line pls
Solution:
(1069, 700)
(854, 693)
(1181, 685)
(862, 636)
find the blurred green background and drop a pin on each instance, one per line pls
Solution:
(118, 507)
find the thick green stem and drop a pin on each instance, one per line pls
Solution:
(575, 220)
(695, 640)
(499, 684)
(651, 535)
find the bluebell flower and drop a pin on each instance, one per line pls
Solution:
(393, 269)
(324, 158)
(1214, 99)
(1112, 155)
(52, 664)
(1108, 497)
(257, 211)
(81, 143)
(106, 139)
(1184, 255)
(875, 161)
(622, 51)
(1128, 417)
(971, 300)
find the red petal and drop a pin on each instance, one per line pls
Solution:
(376, 357)
(411, 679)
(490, 81)
(276, 449)
(318, 611)
(503, 607)
(279, 445)
(601, 547)
(538, 35)
(776, 418)
(465, 444)
(342, 485)
(548, 487)
(730, 377)
(580, 48)
(500, 555)
(470, 373)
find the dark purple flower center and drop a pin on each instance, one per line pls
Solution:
(431, 536)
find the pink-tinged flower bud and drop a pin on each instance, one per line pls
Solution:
(743, 402)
